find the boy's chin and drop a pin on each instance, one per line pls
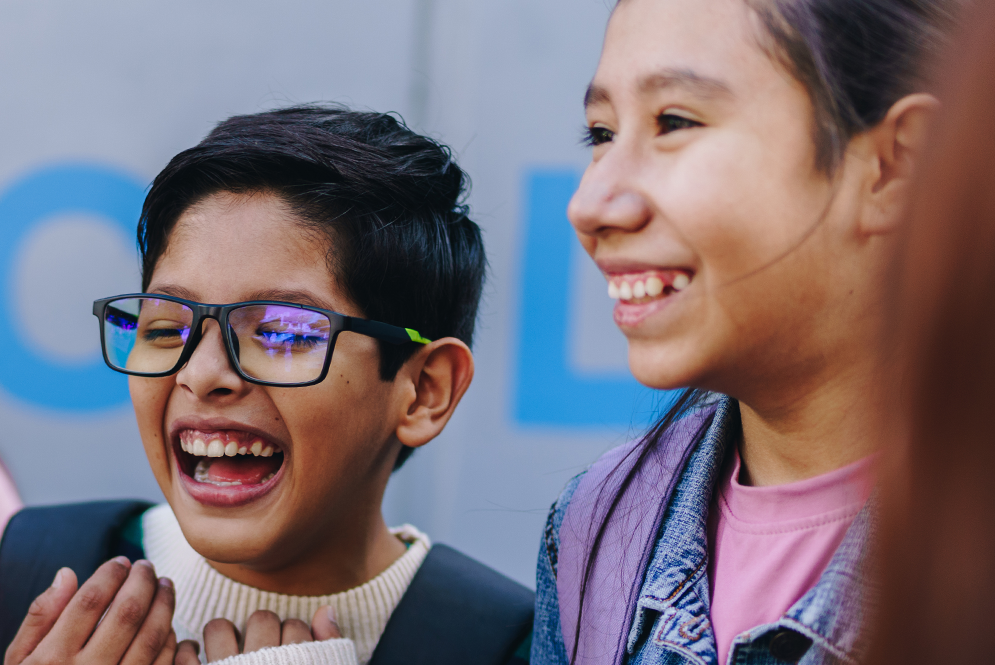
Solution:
(228, 541)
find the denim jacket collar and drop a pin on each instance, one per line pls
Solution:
(674, 601)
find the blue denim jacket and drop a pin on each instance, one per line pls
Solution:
(670, 623)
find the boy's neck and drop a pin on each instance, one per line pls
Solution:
(833, 422)
(350, 559)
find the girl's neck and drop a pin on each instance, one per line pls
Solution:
(830, 424)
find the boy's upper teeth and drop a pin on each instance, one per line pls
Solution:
(218, 447)
(634, 287)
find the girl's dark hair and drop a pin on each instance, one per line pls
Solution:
(389, 201)
(856, 58)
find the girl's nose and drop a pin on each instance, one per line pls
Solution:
(605, 202)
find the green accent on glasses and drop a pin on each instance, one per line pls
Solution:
(270, 343)
(416, 337)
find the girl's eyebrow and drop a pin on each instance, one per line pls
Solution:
(701, 86)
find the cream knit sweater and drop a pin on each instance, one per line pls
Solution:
(203, 593)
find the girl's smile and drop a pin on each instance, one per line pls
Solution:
(642, 293)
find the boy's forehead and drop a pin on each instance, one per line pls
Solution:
(232, 248)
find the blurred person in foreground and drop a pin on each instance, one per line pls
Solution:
(10, 500)
(938, 545)
(349, 274)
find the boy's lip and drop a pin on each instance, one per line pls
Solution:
(218, 496)
(226, 497)
(219, 423)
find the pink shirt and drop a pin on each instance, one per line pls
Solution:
(769, 545)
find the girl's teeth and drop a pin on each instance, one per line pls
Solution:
(243, 450)
(257, 448)
(654, 287)
(199, 449)
(267, 452)
(231, 449)
(216, 448)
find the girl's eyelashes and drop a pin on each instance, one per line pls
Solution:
(596, 135)
(668, 122)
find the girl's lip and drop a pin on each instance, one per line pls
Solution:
(230, 496)
(630, 315)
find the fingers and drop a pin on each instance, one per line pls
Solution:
(77, 621)
(220, 639)
(295, 631)
(168, 652)
(261, 631)
(186, 653)
(42, 615)
(323, 625)
(125, 617)
(156, 631)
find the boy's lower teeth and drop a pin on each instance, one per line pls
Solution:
(202, 474)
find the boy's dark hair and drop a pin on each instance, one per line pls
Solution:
(390, 201)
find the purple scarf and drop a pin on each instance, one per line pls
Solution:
(628, 540)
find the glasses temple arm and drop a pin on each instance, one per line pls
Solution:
(385, 331)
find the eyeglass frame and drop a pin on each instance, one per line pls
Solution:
(201, 311)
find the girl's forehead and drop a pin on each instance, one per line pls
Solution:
(714, 39)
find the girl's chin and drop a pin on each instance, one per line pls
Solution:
(652, 363)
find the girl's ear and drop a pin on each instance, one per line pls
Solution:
(894, 149)
(435, 380)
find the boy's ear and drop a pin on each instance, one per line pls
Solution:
(895, 146)
(436, 378)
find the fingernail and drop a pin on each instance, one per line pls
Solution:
(57, 582)
(166, 582)
(331, 616)
(123, 560)
(145, 562)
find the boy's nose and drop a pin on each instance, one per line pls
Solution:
(606, 201)
(209, 371)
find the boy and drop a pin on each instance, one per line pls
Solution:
(321, 230)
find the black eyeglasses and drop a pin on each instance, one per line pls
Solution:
(268, 342)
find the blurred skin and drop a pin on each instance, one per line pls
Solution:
(319, 530)
(704, 162)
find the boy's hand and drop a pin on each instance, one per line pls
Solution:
(262, 630)
(70, 627)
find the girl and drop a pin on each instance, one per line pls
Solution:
(750, 159)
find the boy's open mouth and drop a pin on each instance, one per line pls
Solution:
(227, 458)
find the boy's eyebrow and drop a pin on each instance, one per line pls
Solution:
(292, 295)
(702, 86)
(176, 291)
(284, 295)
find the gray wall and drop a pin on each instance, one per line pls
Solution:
(98, 96)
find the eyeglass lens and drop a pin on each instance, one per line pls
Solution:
(273, 343)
